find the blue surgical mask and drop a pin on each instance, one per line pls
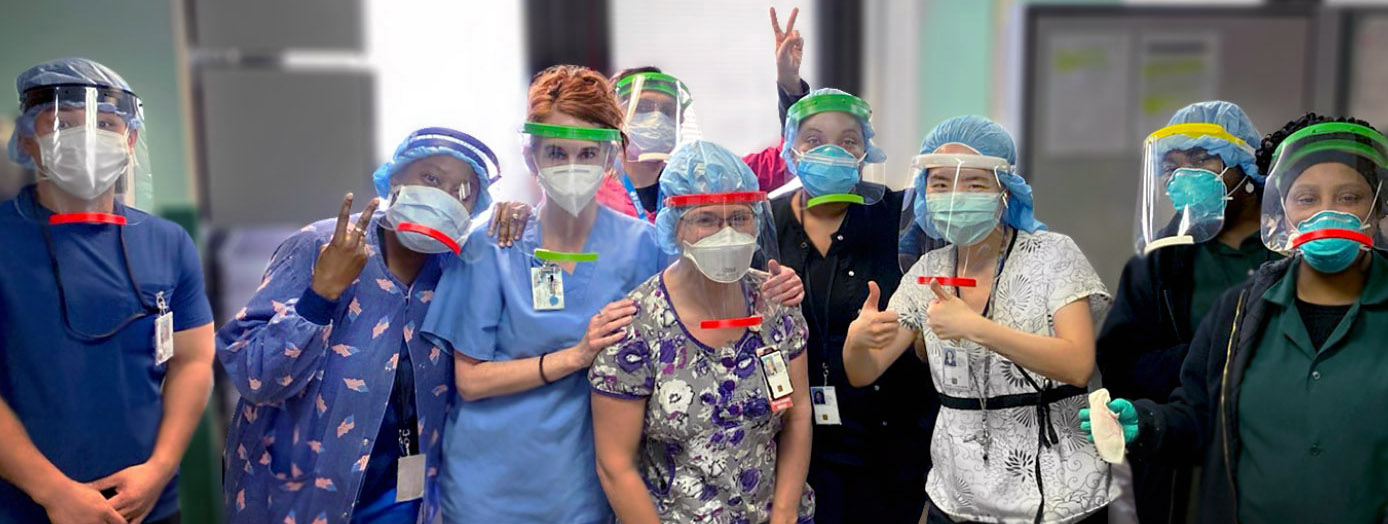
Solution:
(827, 170)
(1199, 192)
(652, 132)
(438, 212)
(964, 219)
(1330, 255)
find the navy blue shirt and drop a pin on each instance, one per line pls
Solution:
(91, 407)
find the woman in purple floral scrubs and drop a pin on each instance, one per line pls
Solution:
(683, 414)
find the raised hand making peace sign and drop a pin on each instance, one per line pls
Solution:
(790, 48)
(344, 255)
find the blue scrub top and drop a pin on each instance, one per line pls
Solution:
(529, 457)
(91, 408)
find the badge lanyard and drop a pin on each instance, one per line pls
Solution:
(636, 199)
(146, 309)
(547, 281)
(987, 313)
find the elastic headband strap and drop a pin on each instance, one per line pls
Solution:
(86, 218)
(411, 227)
(725, 323)
(708, 199)
(1332, 233)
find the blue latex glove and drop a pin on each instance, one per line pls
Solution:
(1127, 417)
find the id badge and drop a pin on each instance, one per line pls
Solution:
(956, 367)
(547, 287)
(409, 478)
(163, 333)
(773, 367)
(826, 405)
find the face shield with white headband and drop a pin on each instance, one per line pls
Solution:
(963, 200)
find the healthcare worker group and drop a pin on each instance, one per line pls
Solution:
(643, 348)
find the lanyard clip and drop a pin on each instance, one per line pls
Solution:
(160, 303)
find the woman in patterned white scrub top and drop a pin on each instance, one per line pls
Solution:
(1010, 355)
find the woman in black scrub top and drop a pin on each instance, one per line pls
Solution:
(867, 463)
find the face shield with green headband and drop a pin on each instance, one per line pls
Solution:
(657, 115)
(835, 165)
(569, 161)
(1324, 197)
(1182, 195)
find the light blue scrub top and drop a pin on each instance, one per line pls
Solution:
(529, 457)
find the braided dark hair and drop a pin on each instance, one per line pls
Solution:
(1264, 157)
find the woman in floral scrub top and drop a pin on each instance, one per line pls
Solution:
(683, 416)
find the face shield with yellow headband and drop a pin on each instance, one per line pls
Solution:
(1182, 196)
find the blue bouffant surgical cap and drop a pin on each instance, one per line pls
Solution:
(78, 71)
(1230, 117)
(988, 139)
(432, 141)
(697, 168)
(795, 116)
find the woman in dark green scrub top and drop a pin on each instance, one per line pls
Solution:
(1285, 376)
(1199, 205)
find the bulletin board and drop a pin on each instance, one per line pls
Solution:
(1098, 79)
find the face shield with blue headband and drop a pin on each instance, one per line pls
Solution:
(92, 149)
(1182, 196)
(434, 176)
(831, 164)
(1324, 195)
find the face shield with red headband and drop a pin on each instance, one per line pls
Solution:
(1324, 196)
(90, 145)
(724, 236)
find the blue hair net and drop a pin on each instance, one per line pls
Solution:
(60, 71)
(1230, 117)
(989, 139)
(696, 168)
(432, 141)
(875, 155)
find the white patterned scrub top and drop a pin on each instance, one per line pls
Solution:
(1044, 272)
(708, 448)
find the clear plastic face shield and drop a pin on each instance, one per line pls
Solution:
(727, 238)
(569, 161)
(831, 149)
(964, 201)
(431, 203)
(1182, 196)
(657, 115)
(1324, 194)
(89, 146)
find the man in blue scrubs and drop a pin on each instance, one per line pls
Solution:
(105, 333)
